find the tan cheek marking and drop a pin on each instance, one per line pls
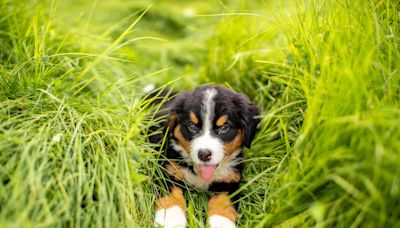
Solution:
(174, 170)
(222, 120)
(181, 140)
(221, 205)
(175, 198)
(193, 118)
(232, 177)
(235, 144)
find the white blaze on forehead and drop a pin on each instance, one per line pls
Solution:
(207, 108)
(206, 140)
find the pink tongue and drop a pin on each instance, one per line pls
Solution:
(207, 171)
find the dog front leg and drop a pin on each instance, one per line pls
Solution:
(221, 213)
(170, 210)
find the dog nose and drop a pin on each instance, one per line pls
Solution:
(205, 155)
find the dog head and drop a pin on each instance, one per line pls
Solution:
(211, 124)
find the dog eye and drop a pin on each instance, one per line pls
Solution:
(192, 128)
(223, 129)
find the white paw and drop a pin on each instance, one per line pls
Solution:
(172, 217)
(218, 221)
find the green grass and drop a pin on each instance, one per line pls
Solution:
(72, 118)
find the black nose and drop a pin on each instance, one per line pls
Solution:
(205, 155)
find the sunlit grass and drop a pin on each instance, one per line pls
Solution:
(73, 149)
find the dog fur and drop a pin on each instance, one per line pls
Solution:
(206, 130)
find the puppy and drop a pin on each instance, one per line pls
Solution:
(206, 130)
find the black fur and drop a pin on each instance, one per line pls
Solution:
(242, 115)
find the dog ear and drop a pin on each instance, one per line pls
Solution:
(176, 107)
(250, 120)
(171, 121)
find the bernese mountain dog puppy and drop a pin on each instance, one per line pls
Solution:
(206, 130)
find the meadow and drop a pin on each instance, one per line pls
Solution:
(73, 121)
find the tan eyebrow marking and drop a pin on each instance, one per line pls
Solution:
(193, 118)
(221, 120)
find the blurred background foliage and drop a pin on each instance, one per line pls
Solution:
(325, 73)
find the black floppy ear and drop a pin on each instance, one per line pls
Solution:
(171, 121)
(250, 119)
(176, 107)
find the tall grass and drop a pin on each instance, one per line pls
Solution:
(73, 149)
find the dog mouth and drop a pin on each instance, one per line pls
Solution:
(207, 171)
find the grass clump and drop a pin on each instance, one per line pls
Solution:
(72, 148)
